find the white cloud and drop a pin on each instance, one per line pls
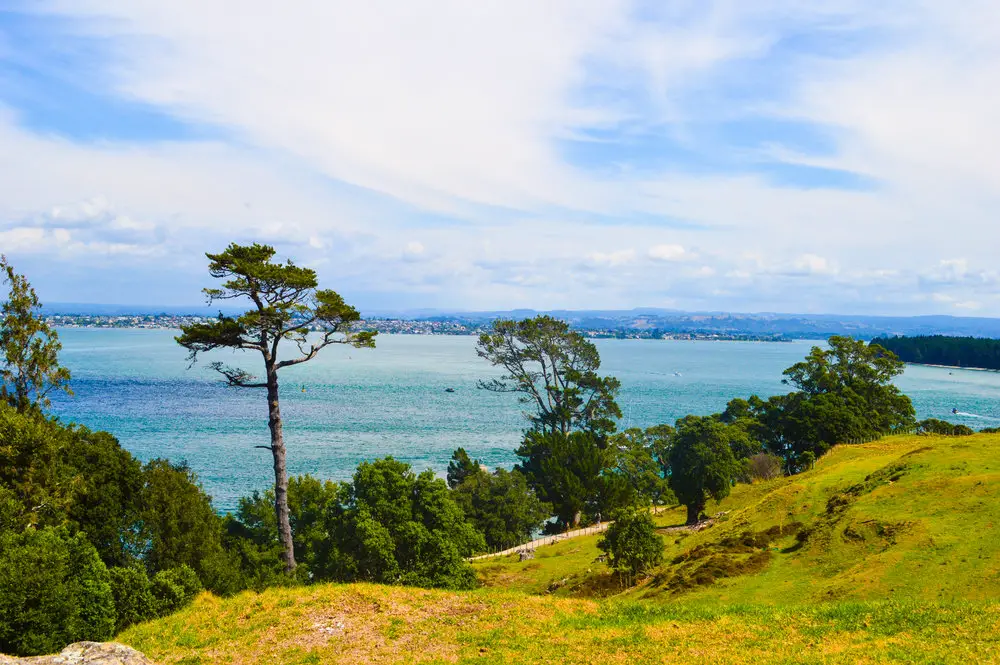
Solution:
(450, 116)
(814, 265)
(668, 252)
(615, 258)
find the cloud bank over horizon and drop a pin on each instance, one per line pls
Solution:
(767, 155)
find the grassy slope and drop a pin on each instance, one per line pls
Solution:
(922, 535)
(933, 533)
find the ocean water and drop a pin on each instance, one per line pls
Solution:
(349, 405)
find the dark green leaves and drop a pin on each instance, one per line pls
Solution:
(286, 305)
(554, 370)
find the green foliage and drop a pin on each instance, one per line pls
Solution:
(554, 370)
(935, 426)
(806, 460)
(501, 506)
(460, 467)
(414, 532)
(180, 528)
(60, 475)
(173, 588)
(632, 544)
(29, 347)
(942, 350)
(287, 303)
(54, 589)
(107, 489)
(701, 462)
(638, 454)
(133, 595)
(844, 393)
(30, 467)
(574, 474)
(388, 525)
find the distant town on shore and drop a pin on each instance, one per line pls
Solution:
(609, 324)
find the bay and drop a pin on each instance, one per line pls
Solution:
(350, 405)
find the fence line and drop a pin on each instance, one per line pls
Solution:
(546, 540)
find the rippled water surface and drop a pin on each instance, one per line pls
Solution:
(349, 405)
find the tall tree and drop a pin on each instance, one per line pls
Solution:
(30, 347)
(287, 305)
(554, 369)
(702, 463)
(844, 393)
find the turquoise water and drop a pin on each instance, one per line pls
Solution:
(363, 404)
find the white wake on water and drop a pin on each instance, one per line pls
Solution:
(974, 415)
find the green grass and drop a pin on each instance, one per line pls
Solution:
(924, 527)
(897, 559)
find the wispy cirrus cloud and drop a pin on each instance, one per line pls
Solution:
(769, 154)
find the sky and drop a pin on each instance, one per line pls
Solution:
(743, 155)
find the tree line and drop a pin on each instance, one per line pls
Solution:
(122, 542)
(976, 352)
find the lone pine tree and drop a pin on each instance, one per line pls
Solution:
(287, 306)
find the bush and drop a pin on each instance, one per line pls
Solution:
(501, 506)
(134, 602)
(54, 590)
(174, 588)
(181, 528)
(764, 466)
(942, 427)
(632, 544)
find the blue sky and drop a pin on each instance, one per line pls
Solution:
(763, 155)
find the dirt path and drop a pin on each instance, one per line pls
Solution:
(597, 528)
(547, 540)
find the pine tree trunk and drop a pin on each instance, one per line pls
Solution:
(280, 472)
(694, 511)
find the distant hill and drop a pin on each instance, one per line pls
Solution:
(886, 552)
(802, 326)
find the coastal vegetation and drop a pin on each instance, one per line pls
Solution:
(106, 542)
(973, 352)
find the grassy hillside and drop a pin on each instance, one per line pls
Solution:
(915, 518)
(885, 552)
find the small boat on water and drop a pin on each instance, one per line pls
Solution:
(449, 390)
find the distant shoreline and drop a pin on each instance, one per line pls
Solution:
(974, 369)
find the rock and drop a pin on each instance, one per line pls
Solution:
(527, 554)
(85, 653)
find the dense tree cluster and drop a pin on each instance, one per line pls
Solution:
(79, 517)
(942, 350)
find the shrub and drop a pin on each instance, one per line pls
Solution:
(764, 466)
(174, 588)
(54, 590)
(181, 528)
(134, 602)
(942, 427)
(632, 544)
